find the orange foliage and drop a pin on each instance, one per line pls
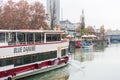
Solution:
(19, 15)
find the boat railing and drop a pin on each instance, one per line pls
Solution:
(16, 43)
(12, 43)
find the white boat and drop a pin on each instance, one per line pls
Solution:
(86, 44)
(28, 52)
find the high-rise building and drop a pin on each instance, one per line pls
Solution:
(53, 11)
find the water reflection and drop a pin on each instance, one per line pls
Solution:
(83, 54)
(79, 68)
(58, 74)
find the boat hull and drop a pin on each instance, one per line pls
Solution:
(35, 68)
(37, 71)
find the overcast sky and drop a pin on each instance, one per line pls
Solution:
(97, 12)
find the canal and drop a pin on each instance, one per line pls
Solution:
(99, 63)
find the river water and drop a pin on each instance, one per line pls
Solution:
(99, 63)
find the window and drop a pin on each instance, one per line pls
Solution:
(40, 57)
(2, 37)
(53, 37)
(58, 37)
(53, 54)
(37, 37)
(9, 61)
(48, 37)
(2, 62)
(34, 58)
(27, 59)
(45, 56)
(30, 38)
(63, 52)
(18, 61)
(21, 37)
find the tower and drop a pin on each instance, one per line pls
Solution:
(53, 11)
(82, 20)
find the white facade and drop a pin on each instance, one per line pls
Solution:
(53, 5)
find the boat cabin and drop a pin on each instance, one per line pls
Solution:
(19, 37)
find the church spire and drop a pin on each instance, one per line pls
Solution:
(82, 20)
(82, 12)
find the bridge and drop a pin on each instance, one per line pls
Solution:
(114, 37)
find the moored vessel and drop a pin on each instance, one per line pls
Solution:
(28, 52)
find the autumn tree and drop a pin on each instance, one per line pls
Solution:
(22, 14)
(85, 31)
(0, 5)
(91, 30)
(82, 31)
(19, 15)
(38, 16)
(7, 14)
(14, 15)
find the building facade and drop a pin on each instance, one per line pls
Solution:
(53, 11)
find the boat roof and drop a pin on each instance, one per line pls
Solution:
(42, 31)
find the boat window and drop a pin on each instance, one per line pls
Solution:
(47, 55)
(18, 60)
(53, 37)
(9, 61)
(58, 37)
(48, 37)
(30, 38)
(21, 38)
(11, 38)
(53, 54)
(39, 37)
(34, 58)
(2, 37)
(26, 59)
(3, 62)
(63, 52)
(44, 56)
(40, 56)
(0, 62)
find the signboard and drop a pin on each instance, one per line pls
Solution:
(24, 49)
